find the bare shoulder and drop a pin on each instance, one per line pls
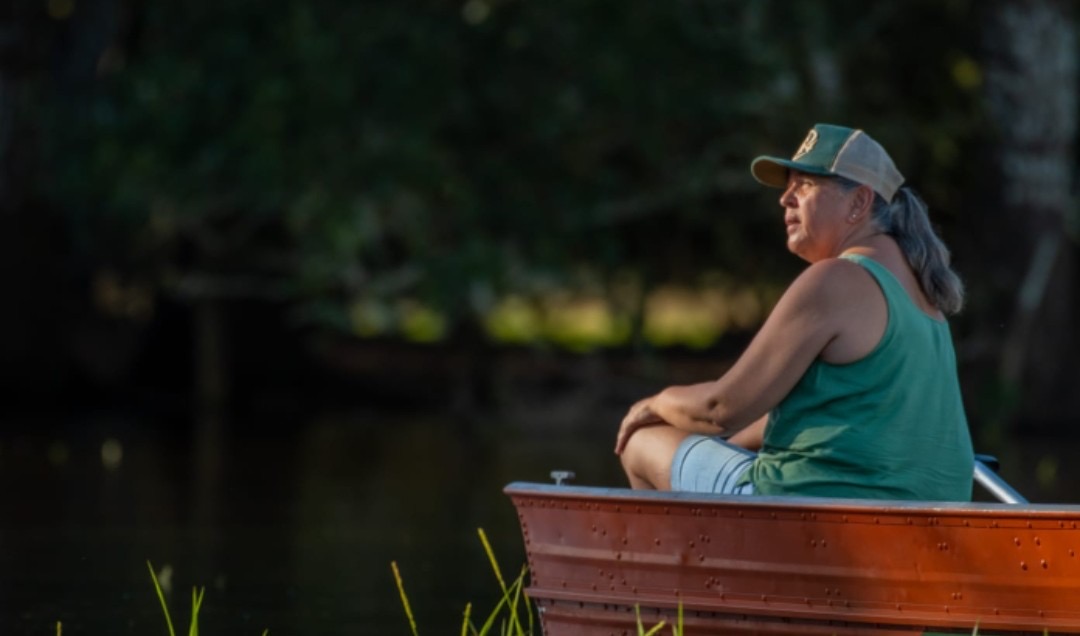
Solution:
(843, 301)
(824, 314)
(833, 279)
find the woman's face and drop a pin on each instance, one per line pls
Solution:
(816, 210)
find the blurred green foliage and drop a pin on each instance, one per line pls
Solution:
(411, 165)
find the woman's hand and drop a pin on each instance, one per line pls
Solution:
(640, 415)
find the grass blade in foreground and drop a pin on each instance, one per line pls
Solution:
(161, 597)
(509, 601)
(656, 628)
(513, 594)
(196, 603)
(514, 621)
(197, 595)
(465, 621)
(404, 598)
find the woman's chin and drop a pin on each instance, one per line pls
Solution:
(798, 248)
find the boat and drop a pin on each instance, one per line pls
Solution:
(602, 559)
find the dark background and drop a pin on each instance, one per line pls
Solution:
(255, 243)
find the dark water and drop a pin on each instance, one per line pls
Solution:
(291, 522)
(290, 525)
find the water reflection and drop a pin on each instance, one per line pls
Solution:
(291, 522)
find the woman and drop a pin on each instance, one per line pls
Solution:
(850, 388)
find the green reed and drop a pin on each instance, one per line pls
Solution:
(677, 630)
(507, 612)
(514, 604)
(197, 594)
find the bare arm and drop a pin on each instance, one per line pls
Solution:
(812, 313)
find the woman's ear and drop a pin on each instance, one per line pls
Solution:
(861, 202)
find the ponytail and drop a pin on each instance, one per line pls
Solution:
(907, 220)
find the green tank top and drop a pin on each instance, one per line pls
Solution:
(888, 426)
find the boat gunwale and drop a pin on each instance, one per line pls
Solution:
(772, 502)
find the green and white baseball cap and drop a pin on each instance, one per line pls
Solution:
(835, 151)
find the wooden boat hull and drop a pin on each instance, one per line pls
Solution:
(779, 565)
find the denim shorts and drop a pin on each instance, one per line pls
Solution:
(709, 464)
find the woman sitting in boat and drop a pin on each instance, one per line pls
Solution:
(850, 387)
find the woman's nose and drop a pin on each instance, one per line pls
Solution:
(786, 198)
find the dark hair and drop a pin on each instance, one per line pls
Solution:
(907, 220)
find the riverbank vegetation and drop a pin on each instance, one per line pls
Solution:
(496, 171)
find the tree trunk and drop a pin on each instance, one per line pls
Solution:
(1031, 89)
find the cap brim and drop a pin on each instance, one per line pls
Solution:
(773, 171)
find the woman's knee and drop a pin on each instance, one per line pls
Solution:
(642, 446)
(649, 452)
